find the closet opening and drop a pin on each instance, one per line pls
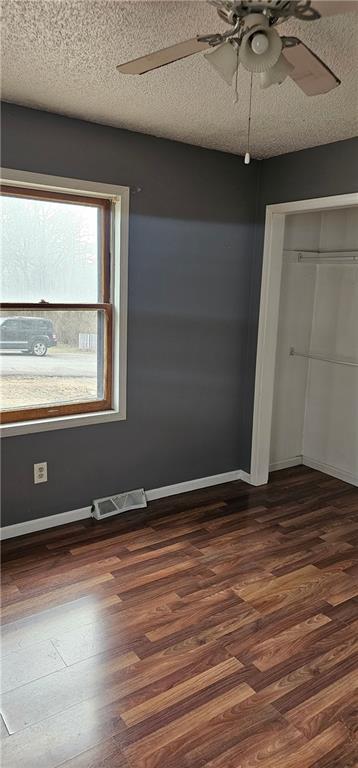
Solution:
(306, 391)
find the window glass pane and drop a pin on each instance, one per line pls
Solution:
(49, 251)
(50, 358)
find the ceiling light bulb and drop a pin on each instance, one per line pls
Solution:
(267, 50)
(259, 43)
(247, 158)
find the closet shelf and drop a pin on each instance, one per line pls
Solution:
(323, 359)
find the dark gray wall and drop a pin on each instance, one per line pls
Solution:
(331, 169)
(191, 248)
(194, 282)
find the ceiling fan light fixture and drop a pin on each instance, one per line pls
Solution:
(277, 74)
(258, 55)
(224, 59)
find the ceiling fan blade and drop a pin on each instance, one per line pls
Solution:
(332, 7)
(161, 58)
(309, 73)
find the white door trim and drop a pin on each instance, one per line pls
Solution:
(268, 322)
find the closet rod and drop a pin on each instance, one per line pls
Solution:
(293, 353)
(323, 252)
(329, 258)
(339, 257)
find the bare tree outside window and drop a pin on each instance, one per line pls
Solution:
(49, 251)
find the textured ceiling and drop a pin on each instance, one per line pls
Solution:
(61, 55)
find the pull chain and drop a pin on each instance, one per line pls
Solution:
(247, 155)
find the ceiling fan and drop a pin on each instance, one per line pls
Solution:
(253, 41)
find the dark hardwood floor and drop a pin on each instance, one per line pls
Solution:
(216, 628)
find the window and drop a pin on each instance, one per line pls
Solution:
(60, 310)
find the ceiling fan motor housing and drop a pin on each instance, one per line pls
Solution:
(276, 9)
(254, 54)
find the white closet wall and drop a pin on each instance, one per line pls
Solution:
(294, 329)
(315, 409)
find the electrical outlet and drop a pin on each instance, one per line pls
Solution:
(40, 472)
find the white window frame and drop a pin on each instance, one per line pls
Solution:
(119, 296)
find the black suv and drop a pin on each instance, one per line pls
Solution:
(28, 334)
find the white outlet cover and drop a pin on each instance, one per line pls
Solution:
(40, 472)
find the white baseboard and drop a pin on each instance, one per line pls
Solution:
(295, 461)
(41, 523)
(193, 485)
(246, 477)
(327, 469)
(52, 521)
